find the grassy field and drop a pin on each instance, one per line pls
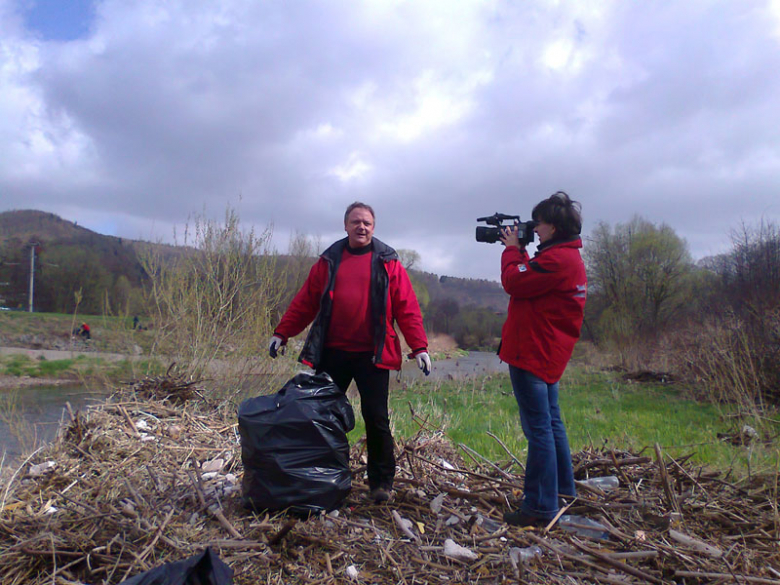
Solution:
(53, 331)
(79, 368)
(600, 410)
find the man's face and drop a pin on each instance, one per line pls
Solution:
(359, 227)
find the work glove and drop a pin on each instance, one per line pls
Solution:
(275, 346)
(424, 362)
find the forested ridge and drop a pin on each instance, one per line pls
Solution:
(650, 304)
(108, 275)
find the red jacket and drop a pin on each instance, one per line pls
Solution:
(546, 307)
(393, 300)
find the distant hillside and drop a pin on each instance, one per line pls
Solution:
(29, 225)
(466, 291)
(70, 257)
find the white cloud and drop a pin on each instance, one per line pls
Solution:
(774, 11)
(353, 168)
(434, 112)
(433, 104)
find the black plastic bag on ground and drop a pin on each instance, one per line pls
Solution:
(205, 568)
(294, 447)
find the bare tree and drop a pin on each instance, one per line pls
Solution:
(409, 258)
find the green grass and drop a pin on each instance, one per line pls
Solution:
(109, 333)
(600, 410)
(79, 368)
(22, 365)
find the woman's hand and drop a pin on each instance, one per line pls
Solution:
(509, 237)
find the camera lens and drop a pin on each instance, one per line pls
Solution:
(487, 234)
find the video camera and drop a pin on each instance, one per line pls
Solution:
(491, 235)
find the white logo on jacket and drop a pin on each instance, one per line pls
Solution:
(582, 290)
(522, 268)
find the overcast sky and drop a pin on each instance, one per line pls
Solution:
(128, 116)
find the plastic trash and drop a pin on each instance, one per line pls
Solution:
(487, 524)
(524, 555)
(582, 526)
(455, 551)
(294, 447)
(605, 484)
(200, 569)
(437, 503)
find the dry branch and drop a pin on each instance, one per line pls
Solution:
(116, 503)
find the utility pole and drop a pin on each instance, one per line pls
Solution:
(32, 272)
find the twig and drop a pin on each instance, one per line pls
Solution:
(558, 551)
(144, 553)
(225, 523)
(473, 453)
(18, 469)
(727, 577)
(617, 564)
(130, 422)
(627, 482)
(508, 452)
(276, 538)
(672, 499)
(393, 561)
(82, 504)
(198, 490)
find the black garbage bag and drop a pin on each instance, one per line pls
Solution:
(205, 568)
(294, 447)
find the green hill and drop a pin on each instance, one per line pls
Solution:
(110, 276)
(68, 258)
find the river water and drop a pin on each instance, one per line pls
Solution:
(34, 413)
(476, 363)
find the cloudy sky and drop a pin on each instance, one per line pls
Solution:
(128, 116)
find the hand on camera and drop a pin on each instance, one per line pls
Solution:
(276, 345)
(424, 362)
(509, 237)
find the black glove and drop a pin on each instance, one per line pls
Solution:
(276, 344)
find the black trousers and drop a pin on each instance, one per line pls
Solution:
(372, 384)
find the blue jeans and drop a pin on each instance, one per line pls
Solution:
(548, 470)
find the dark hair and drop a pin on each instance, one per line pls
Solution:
(358, 205)
(560, 211)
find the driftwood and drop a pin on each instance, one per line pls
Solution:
(154, 476)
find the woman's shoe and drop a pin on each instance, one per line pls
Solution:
(520, 518)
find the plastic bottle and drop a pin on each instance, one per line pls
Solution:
(487, 523)
(582, 526)
(605, 484)
(525, 555)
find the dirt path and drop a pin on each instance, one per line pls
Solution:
(57, 354)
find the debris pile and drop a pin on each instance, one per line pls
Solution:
(138, 482)
(173, 386)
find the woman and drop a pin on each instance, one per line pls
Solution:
(546, 305)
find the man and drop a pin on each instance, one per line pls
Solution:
(355, 293)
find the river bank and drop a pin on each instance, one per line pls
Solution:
(152, 481)
(443, 349)
(18, 382)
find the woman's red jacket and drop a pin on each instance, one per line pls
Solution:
(546, 307)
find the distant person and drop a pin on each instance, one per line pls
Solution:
(355, 293)
(135, 321)
(85, 332)
(546, 305)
